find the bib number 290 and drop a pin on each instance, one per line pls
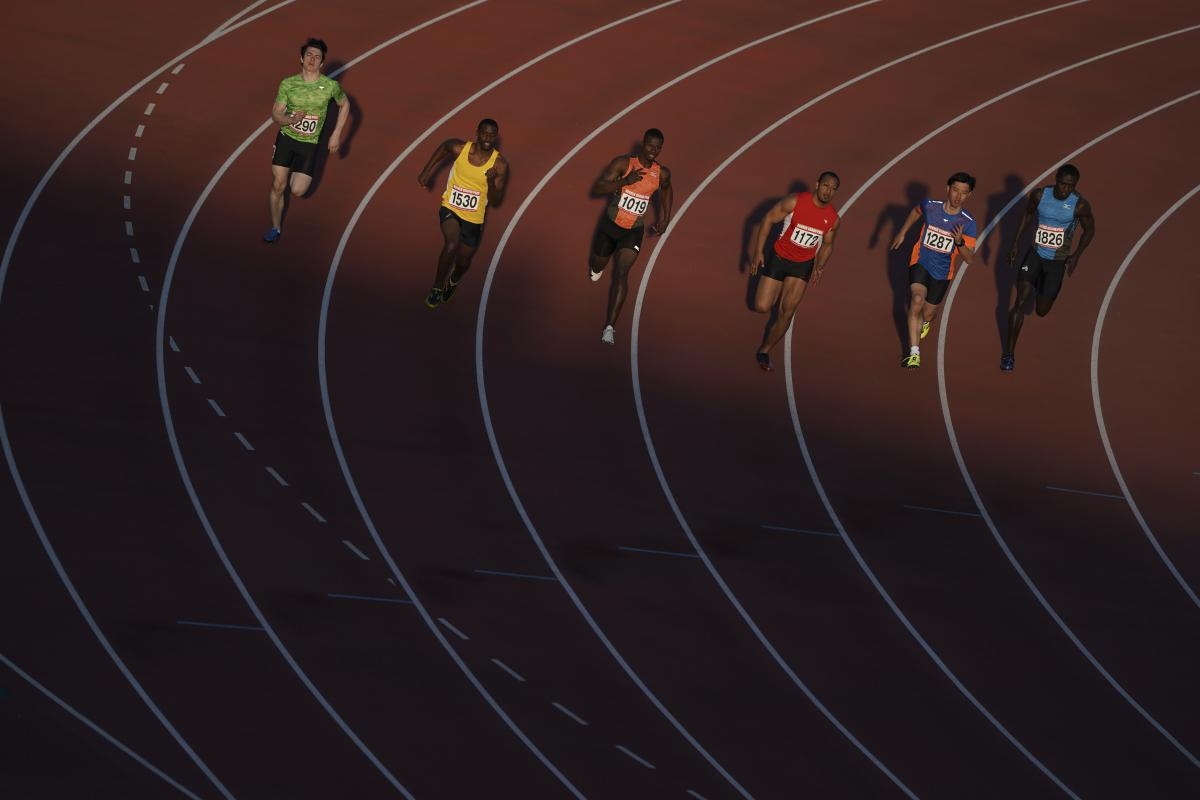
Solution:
(306, 126)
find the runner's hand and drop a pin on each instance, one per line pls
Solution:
(897, 241)
(334, 144)
(633, 177)
(1071, 261)
(1012, 256)
(958, 233)
(756, 263)
(658, 229)
(816, 276)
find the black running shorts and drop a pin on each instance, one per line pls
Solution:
(297, 156)
(1046, 276)
(777, 267)
(469, 233)
(610, 237)
(935, 290)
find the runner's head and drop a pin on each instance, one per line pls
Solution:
(487, 133)
(958, 188)
(652, 144)
(312, 53)
(1065, 180)
(827, 186)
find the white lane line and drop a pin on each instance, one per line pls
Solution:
(657, 552)
(178, 69)
(512, 672)
(635, 756)
(354, 549)
(932, 510)
(783, 529)
(10, 458)
(316, 514)
(134, 256)
(142, 282)
(453, 629)
(661, 475)
(128, 228)
(504, 574)
(149, 109)
(133, 154)
(274, 474)
(336, 441)
(371, 599)
(173, 345)
(220, 30)
(141, 129)
(127, 202)
(570, 713)
(220, 625)
(58, 701)
(953, 436)
(192, 374)
(215, 407)
(1085, 491)
(162, 87)
(695, 794)
(1095, 369)
(128, 177)
(245, 442)
(1196, 474)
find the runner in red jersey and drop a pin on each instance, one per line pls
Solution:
(630, 182)
(810, 224)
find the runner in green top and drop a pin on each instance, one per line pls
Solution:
(301, 106)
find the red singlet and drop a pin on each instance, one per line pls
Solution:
(805, 229)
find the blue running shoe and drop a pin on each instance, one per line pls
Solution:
(272, 236)
(1007, 362)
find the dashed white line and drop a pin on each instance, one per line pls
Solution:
(657, 552)
(245, 442)
(570, 713)
(133, 154)
(313, 511)
(355, 550)
(1085, 491)
(216, 407)
(508, 669)
(370, 599)
(271, 471)
(140, 130)
(177, 69)
(635, 756)
(944, 511)
(171, 342)
(128, 228)
(127, 202)
(446, 623)
(799, 530)
(142, 282)
(695, 794)
(192, 374)
(222, 625)
(134, 256)
(149, 109)
(162, 87)
(128, 177)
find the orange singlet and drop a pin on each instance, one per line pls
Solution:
(631, 203)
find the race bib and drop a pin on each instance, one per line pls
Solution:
(1050, 236)
(806, 237)
(938, 240)
(306, 126)
(633, 202)
(466, 199)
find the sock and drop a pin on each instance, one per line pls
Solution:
(914, 351)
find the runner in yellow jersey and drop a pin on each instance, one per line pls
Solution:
(301, 106)
(477, 177)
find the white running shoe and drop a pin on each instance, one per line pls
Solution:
(609, 335)
(595, 276)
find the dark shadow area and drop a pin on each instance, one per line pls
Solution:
(749, 226)
(1004, 273)
(331, 120)
(887, 225)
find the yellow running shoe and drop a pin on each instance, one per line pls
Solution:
(912, 361)
(924, 328)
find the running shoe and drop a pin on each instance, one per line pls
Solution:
(609, 335)
(925, 328)
(1007, 362)
(434, 299)
(272, 236)
(764, 361)
(912, 361)
(449, 291)
(595, 276)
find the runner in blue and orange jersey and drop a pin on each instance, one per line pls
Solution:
(1059, 208)
(630, 181)
(810, 224)
(477, 178)
(301, 106)
(947, 239)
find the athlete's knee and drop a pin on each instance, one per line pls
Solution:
(763, 306)
(1043, 309)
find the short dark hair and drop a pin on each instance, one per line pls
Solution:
(961, 177)
(829, 174)
(317, 43)
(1067, 171)
(653, 133)
(488, 121)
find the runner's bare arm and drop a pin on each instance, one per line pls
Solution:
(335, 138)
(280, 115)
(913, 216)
(666, 199)
(611, 181)
(1083, 213)
(1030, 211)
(778, 213)
(450, 147)
(825, 252)
(497, 178)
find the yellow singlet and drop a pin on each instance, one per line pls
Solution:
(466, 188)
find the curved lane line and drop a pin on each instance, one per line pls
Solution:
(1112, 458)
(483, 401)
(326, 401)
(658, 470)
(5, 442)
(103, 734)
(169, 423)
